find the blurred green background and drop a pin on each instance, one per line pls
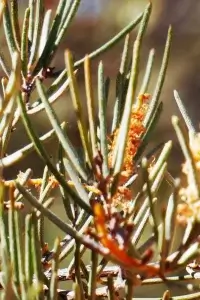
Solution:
(96, 22)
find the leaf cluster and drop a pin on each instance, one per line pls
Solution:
(111, 192)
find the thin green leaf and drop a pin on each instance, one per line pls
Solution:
(184, 113)
(15, 22)
(148, 72)
(65, 197)
(77, 235)
(93, 276)
(13, 84)
(42, 153)
(63, 138)
(154, 188)
(53, 290)
(28, 251)
(8, 30)
(160, 160)
(4, 64)
(75, 179)
(36, 256)
(190, 253)
(90, 105)
(78, 108)
(21, 153)
(150, 196)
(53, 94)
(78, 279)
(49, 52)
(20, 254)
(170, 221)
(63, 76)
(24, 42)
(160, 81)
(112, 41)
(184, 143)
(13, 242)
(3, 229)
(120, 83)
(39, 13)
(45, 31)
(102, 119)
(32, 5)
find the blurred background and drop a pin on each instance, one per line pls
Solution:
(96, 22)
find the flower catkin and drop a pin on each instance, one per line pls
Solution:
(136, 130)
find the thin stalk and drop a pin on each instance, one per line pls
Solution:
(130, 289)
(111, 289)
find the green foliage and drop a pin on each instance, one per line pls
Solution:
(112, 194)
